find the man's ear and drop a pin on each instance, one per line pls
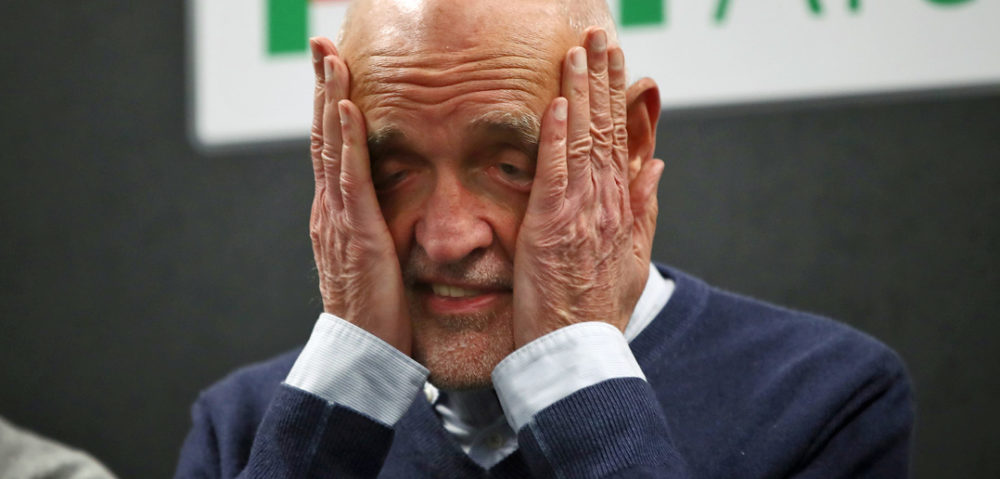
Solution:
(643, 99)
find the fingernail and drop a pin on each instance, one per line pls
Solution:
(328, 67)
(616, 59)
(314, 48)
(599, 41)
(560, 110)
(342, 107)
(578, 60)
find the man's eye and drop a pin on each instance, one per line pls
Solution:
(509, 169)
(384, 181)
(514, 176)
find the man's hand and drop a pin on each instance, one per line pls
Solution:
(359, 274)
(584, 244)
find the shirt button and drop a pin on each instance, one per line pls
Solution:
(495, 441)
(431, 393)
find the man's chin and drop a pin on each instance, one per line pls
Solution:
(462, 358)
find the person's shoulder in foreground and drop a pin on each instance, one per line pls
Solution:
(741, 387)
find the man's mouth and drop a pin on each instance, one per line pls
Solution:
(449, 291)
(440, 298)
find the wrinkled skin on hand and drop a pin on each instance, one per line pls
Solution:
(359, 273)
(584, 245)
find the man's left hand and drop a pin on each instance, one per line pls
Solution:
(584, 245)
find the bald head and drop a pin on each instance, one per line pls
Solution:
(390, 45)
(575, 15)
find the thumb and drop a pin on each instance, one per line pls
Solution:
(643, 201)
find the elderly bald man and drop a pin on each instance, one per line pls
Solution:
(482, 223)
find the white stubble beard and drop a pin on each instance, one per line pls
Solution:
(461, 350)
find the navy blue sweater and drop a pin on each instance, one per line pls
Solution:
(736, 388)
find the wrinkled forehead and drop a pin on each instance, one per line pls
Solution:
(437, 52)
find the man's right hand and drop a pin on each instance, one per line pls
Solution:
(359, 274)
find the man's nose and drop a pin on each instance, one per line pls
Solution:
(451, 227)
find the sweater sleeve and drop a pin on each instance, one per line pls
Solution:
(615, 428)
(200, 451)
(301, 435)
(332, 417)
(582, 407)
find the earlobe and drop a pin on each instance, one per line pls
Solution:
(643, 98)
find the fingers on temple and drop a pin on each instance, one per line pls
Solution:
(600, 103)
(320, 47)
(551, 177)
(576, 90)
(335, 87)
(356, 187)
(617, 87)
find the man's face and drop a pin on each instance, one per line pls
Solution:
(452, 95)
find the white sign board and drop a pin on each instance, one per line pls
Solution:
(251, 77)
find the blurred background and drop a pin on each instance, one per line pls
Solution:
(137, 269)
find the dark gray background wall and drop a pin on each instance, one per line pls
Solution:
(135, 271)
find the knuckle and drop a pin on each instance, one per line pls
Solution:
(328, 154)
(618, 111)
(608, 222)
(348, 183)
(315, 230)
(559, 179)
(601, 135)
(581, 144)
(316, 142)
(599, 80)
(620, 133)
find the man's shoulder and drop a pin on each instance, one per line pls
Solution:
(798, 335)
(248, 390)
(226, 415)
(712, 314)
(729, 334)
(729, 366)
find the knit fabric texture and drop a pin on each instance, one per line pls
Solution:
(735, 388)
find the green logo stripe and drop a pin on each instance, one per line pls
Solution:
(641, 12)
(287, 26)
(720, 10)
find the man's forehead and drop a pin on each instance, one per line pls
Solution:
(405, 65)
(442, 26)
(482, 65)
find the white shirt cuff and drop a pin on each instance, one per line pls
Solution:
(349, 366)
(558, 364)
